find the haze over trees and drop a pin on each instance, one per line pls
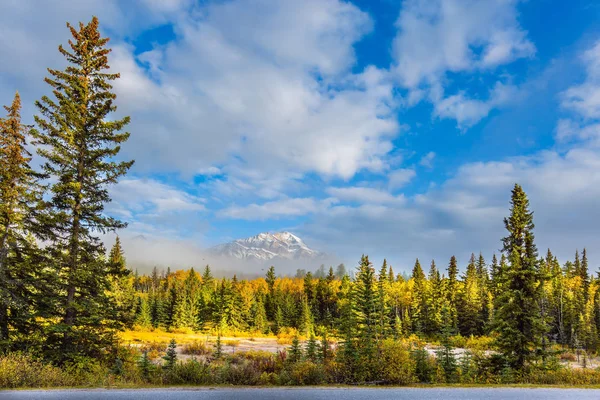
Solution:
(63, 298)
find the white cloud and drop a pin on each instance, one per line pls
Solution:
(400, 177)
(568, 130)
(465, 213)
(144, 194)
(275, 87)
(364, 195)
(584, 99)
(468, 112)
(291, 207)
(153, 208)
(437, 37)
(279, 75)
(456, 35)
(427, 160)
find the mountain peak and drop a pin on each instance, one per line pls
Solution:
(267, 246)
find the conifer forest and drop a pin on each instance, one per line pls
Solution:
(70, 307)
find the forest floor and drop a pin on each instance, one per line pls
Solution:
(272, 344)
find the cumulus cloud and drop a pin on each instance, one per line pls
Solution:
(464, 214)
(260, 104)
(455, 35)
(222, 91)
(427, 160)
(154, 208)
(290, 207)
(438, 37)
(467, 111)
(584, 99)
(279, 75)
(363, 195)
(400, 177)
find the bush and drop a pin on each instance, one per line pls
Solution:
(564, 376)
(306, 373)
(196, 348)
(243, 373)
(286, 335)
(566, 356)
(398, 367)
(260, 360)
(191, 372)
(184, 331)
(481, 343)
(425, 365)
(21, 370)
(154, 346)
(267, 379)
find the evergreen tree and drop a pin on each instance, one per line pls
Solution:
(21, 283)
(470, 321)
(325, 353)
(187, 310)
(517, 321)
(121, 286)
(171, 355)
(145, 365)
(366, 317)
(445, 355)
(143, 317)
(383, 308)
(584, 274)
(270, 298)
(279, 322)
(171, 306)
(218, 346)
(347, 349)
(452, 291)
(78, 139)
(295, 351)
(312, 349)
(207, 279)
(423, 369)
(419, 306)
(340, 271)
(305, 323)
(434, 300)
(259, 315)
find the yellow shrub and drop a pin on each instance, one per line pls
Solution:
(398, 367)
(20, 370)
(196, 348)
(481, 343)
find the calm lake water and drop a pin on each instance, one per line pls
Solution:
(308, 393)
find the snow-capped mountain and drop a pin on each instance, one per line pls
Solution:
(267, 246)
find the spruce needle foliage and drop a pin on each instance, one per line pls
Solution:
(79, 140)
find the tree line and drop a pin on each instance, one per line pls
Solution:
(526, 302)
(63, 297)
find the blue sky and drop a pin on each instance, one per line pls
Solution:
(393, 128)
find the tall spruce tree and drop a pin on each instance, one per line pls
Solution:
(79, 140)
(452, 291)
(516, 318)
(419, 304)
(21, 282)
(121, 286)
(366, 316)
(470, 321)
(383, 306)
